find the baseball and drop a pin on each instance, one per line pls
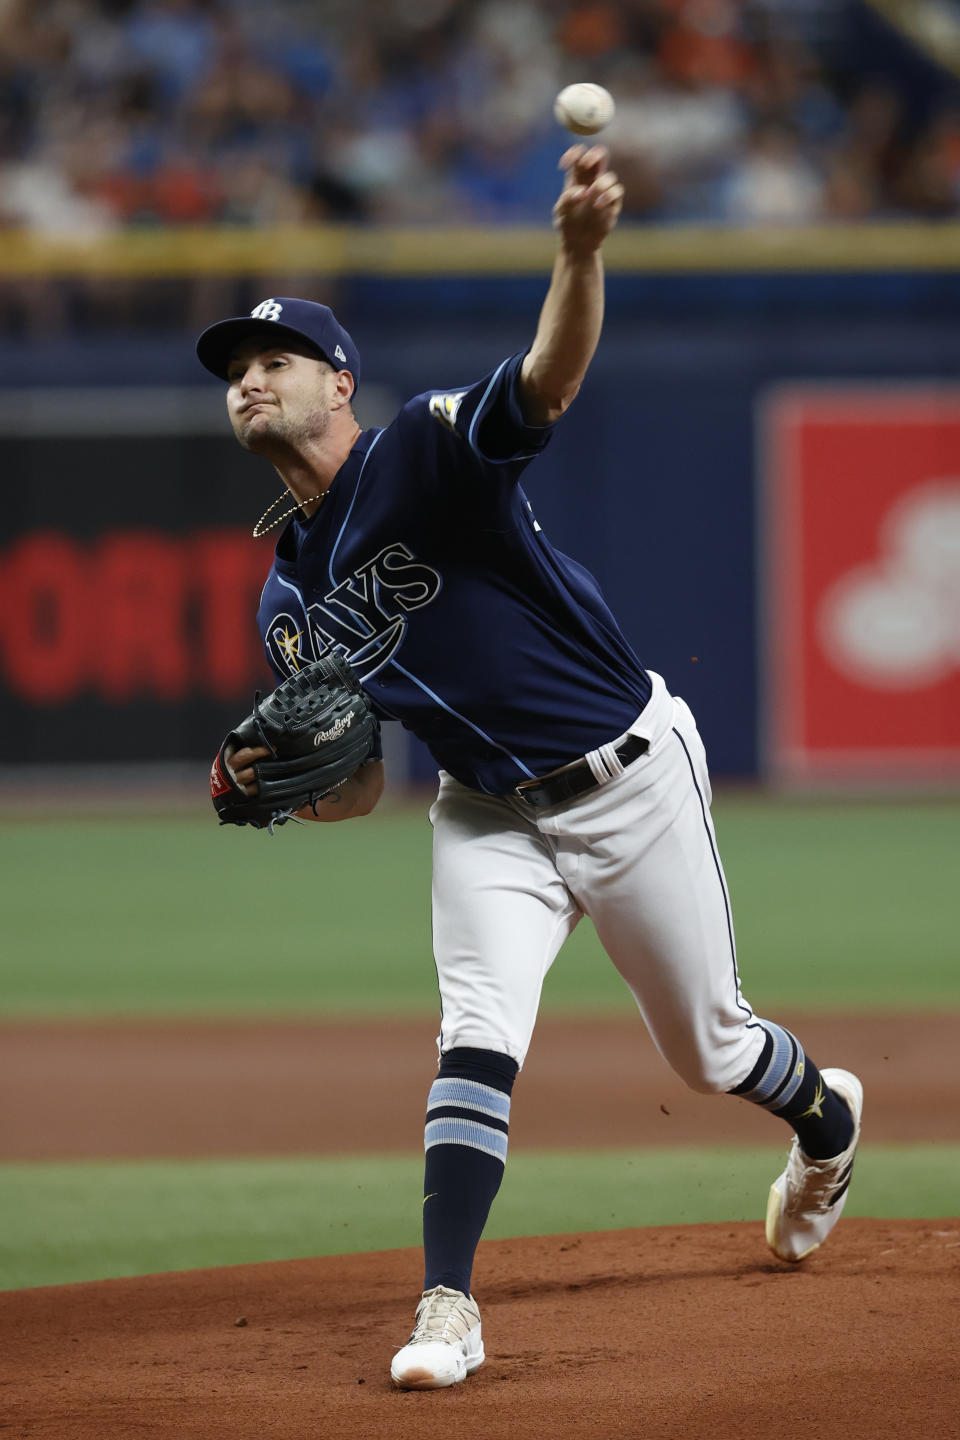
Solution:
(584, 109)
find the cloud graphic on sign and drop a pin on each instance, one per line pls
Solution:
(895, 624)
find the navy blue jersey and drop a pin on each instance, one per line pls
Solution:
(425, 566)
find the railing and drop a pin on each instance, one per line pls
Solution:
(347, 250)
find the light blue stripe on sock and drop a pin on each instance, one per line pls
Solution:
(793, 1084)
(469, 1095)
(452, 1130)
(785, 1048)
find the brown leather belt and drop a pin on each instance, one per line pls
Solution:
(575, 779)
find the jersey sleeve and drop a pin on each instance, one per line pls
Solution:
(484, 420)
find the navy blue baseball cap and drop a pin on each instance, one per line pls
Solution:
(302, 319)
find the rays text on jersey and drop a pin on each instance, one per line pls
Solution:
(365, 616)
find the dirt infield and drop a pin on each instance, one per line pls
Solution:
(228, 1088)
(691, 1333)
(664, 1334)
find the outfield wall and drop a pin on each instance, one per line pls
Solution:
(129, 580)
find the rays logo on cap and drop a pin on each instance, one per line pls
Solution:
(267, 310)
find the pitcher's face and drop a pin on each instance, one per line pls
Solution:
(278, 396)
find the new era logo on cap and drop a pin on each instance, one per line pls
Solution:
(303, 319)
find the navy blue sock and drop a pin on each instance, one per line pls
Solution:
(787, 1083)
(468, 1118)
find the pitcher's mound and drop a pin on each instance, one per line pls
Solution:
(686, 1333)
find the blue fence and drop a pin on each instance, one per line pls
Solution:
(652, 477)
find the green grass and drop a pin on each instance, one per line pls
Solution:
(842, 904)
(66, 1222)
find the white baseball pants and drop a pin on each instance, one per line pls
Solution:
(638, 855)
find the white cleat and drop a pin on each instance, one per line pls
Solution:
(445, 1346)
(806, 1201)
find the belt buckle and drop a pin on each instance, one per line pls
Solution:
(540, 782)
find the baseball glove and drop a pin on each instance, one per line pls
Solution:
(319, 728)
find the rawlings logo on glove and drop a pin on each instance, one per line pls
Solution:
(334, 732)
(319, 727)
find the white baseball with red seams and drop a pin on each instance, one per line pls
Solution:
(583, 109)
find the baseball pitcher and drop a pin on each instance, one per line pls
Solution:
(412, 583)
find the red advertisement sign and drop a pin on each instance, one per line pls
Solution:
(132, 614)
(862, 583)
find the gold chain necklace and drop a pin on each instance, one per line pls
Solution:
(258, 531)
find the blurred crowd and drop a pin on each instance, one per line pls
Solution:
(260, 112)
